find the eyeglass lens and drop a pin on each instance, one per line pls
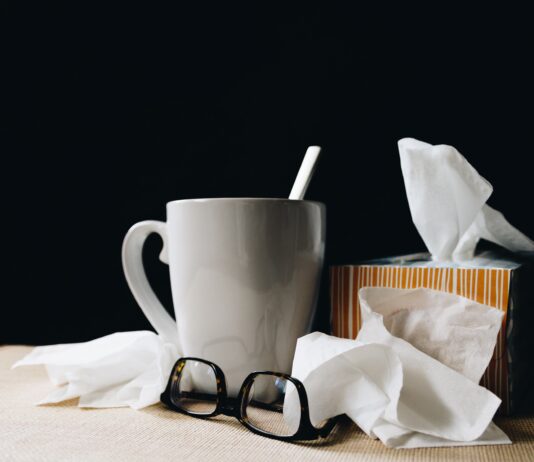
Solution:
(194, 389)
(272, 405)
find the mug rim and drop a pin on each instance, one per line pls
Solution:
(246, 199)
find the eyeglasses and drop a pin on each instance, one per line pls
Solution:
(271, 404)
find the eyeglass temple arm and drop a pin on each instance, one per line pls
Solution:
(328, 426)
(199, 396)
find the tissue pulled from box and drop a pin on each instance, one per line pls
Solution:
(118, 370)
(411, 376)
(447, 199)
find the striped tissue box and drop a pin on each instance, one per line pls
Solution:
(503, 282)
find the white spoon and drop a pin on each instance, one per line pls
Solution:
(305, 173)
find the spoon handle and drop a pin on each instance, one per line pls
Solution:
(305, 173)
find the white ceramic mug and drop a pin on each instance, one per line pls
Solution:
(244, 275)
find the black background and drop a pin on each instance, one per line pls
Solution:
(109, 111)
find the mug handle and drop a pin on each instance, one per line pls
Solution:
(132, 264)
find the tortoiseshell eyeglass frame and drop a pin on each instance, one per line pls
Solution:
(236, 407)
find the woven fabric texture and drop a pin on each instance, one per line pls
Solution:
(66, 433)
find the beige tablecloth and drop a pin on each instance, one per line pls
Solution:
(66, 433)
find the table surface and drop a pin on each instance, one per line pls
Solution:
(65, 432)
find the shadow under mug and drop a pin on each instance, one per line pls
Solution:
(244, 275)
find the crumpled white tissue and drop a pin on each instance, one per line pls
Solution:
(118, 370)
(411, 376)
(447, 199)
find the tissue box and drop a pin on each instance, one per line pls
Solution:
(500, 280)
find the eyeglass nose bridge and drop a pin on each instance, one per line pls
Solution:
(230, 407)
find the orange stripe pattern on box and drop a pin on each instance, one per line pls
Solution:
(484, 285)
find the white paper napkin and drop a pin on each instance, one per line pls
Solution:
(447, 199)
(121, 369)
(410, 378)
